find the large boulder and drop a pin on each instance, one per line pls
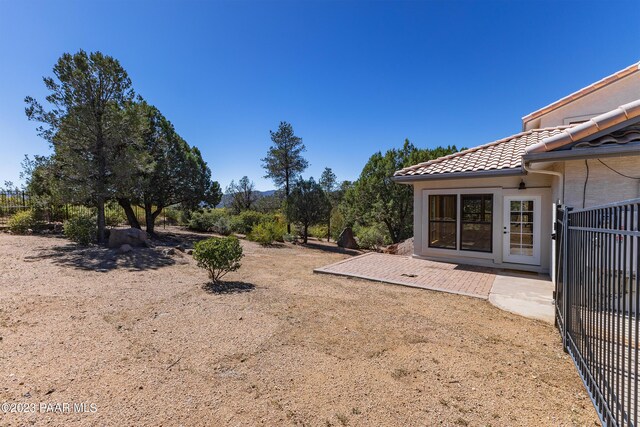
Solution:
(127, 236)
(347, 240)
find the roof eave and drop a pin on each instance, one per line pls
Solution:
(407, 179)
(596, 125)
(583, 153)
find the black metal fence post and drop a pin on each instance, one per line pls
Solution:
(565, 274)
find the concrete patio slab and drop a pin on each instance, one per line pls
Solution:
(527, 295)
(407, 271)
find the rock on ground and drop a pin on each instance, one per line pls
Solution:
(405, 248)
(347, 240)
(127, 236)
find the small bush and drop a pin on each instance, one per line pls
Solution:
(289, 237)
(318, 231)
(218, 255)
(172, 215)
(372, 237)
(199, 222)
(207, 219)
(114, 216)
(267, 232)
(81, 229)
(222, 226)
(184, 217)
(23, 221)
(245, 221)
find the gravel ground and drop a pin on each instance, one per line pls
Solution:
(143, 338)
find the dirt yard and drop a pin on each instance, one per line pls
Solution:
(142, 338)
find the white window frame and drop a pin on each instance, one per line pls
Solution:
(496, 216)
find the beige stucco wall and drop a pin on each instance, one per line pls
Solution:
(604, 186)
(500, 186)
(602, 100)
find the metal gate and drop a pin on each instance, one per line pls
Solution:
(597, 298)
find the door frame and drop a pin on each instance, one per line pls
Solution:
(537, 230)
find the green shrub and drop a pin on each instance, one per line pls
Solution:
(318, 231)
(23, 221)
(172, 215)
(184, 217)
(244, 222)
(372, 237)
(222, 226)
(338, 224)
(207, 219)
(81, 229)
(114, 216)
(218, 255)
(289, 237)
(267, 232)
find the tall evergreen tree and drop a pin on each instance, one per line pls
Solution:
(171, 171)
(328, 182)
(87, 127)
(308, 205)
(284, 161)
(375, 198)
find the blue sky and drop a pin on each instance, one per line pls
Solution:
(352, 77)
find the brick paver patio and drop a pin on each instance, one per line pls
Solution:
(402, 270)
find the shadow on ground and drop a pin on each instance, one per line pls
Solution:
(184, 238)
(228, 287)
(97, 258)
(330, 248)
(474, 268)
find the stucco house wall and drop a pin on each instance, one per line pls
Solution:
(600, 101)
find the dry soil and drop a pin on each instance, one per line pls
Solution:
(143, 338)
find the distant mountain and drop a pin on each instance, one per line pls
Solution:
(225, 202)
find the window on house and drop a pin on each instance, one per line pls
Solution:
(476, 222)
(442, 221)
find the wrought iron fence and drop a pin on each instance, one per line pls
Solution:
(12, 202)
(597, 298)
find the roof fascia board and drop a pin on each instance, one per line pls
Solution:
(582, 153)
(459, 175)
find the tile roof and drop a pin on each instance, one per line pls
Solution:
(503, 154)
(583, 130)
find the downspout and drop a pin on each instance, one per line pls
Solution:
(560, 176)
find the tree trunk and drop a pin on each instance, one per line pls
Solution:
(329, 227)
(101, 185)
(286, 190)
(101, 220)
(131, 215)
(150, 218)
(392, 232)
(306, 233)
